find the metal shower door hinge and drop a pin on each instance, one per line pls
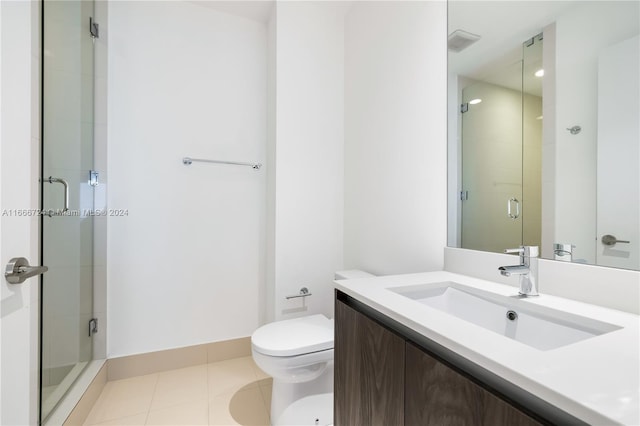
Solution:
(94, 28)
(93, 178)
(93, 326)
(464, 107)
(464, 195)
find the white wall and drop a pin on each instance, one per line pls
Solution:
(591, 27)
(186, 264)
(395, 136)
(161, 110)
(270, 235)
(307, 187)
(619, 153)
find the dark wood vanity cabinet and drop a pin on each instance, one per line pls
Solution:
(369, 371)
(383, 378)
(435, 394)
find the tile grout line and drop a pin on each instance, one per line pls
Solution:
(153, 394)
(208, 396)
(262, 396)
(208, 360)
(255, 369)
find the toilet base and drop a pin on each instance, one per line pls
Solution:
(305, 404)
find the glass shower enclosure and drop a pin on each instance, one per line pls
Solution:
(67, 196)
(501, 145)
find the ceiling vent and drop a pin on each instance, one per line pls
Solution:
(460, 40)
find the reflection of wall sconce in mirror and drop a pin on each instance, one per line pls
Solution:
(574, 130)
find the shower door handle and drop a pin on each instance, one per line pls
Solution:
(64, 183)
(18, 270)
(517, 204)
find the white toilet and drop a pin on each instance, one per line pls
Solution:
(298, 354)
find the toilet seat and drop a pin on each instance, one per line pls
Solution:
(294, 337)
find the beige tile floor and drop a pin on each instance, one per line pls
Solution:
(232, 392)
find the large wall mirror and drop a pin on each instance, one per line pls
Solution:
(544, 128)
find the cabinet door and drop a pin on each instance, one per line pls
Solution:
(440, 396)
(369, 371)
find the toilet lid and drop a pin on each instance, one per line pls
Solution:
(294, 337)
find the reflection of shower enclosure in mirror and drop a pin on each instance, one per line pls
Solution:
(532, 78)
(501, 137)
(493, 180)
(67, 236)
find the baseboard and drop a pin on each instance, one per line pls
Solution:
(155, 362)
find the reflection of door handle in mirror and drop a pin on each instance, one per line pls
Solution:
(610, 240)
(517, 203)
(18, 270)
(574, 130)
(66, 193)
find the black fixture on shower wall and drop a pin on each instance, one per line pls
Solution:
(94, 28)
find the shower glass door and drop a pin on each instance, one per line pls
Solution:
(67, 196)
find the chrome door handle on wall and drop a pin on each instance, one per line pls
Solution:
(18, 270)
(66, 194)
(610, 240)
(517, 204)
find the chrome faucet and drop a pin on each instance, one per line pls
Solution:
(526, 270)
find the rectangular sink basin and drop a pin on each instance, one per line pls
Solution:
(536, 326)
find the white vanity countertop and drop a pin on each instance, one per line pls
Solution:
(596, 380)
